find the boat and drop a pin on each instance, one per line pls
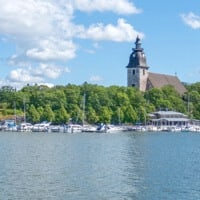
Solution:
(56, 129)
(41, 127)
(102, 128)
(25, 127)
(174, 129)
(8, 125)
(110, 128)
(116, 128)
(73, 128)
(89, 129)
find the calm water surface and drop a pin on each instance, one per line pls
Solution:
(150, 166)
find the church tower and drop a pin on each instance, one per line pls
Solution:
(137, 69)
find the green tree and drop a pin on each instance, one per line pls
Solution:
(61, 115)
(130, 115)
(48, 114)
(91, 116)
(105, 115)
(32, 114)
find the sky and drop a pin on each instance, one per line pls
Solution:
(57, 42)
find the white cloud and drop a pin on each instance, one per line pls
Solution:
(50, 71)
(41, 29)
(36, 74)
(52, 49)
(191, 20)
(116, 6)
(30, 17)
(44, 31)
(122, 32)
(23, 75)
(95, 78)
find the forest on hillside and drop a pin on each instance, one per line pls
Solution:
(93, 104)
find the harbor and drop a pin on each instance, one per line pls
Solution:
(46, 127)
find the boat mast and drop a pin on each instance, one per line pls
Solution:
(119, 120)
(188, 104)
(83, 120)
(15, 112)
(24, 101)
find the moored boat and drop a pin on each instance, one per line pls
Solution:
(25, 127)
(41, 127)
(73, 128)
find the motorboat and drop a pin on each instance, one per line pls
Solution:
(41, 127)
(73, 128)
(25, 127)
(109, 128)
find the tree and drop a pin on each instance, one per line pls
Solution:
(91, 116)
(154, 96)
(130, 116)
(105, 115)
(32, 114)
(48, 114)
(61, 115)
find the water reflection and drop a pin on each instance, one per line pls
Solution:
(41, 166)
(99, 166)
(105, 166)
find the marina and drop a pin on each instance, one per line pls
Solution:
(101, 128)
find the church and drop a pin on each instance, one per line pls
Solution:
(139, 76)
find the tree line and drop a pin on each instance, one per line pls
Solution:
(94, 103)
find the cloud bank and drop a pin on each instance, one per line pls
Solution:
(44, 32)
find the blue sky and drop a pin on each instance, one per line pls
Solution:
(72, 41)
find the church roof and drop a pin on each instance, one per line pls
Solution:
(160, 80)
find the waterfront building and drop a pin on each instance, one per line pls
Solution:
(138, 74)
(168, 118)
(172, 121)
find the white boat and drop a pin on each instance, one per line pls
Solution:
(73, 128)
(191, 128)
(55, 129)
(41, 127)
(174, 129)
(116, 128)
(25, 127)
(89, 129)
(104, 128)
(8, 125)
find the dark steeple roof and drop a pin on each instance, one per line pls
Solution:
(137, 57)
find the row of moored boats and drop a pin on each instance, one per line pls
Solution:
(102, 128)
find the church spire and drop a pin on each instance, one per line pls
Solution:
(137, 57)
(137, 69)
(138, 44)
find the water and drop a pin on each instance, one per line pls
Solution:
(150, 166)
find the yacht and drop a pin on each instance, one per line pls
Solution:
(41, 127)
(73, 128)
(25, 127)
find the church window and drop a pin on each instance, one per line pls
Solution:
(133, 72)
(143, 71)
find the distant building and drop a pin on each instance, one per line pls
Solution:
(139, 76)
(168, 118)
(172, 118)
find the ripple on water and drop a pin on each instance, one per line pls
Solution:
(99, 166)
